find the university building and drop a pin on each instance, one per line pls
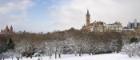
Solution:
(7, 30)
(99, 26)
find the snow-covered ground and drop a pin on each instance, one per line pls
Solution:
(113, 56)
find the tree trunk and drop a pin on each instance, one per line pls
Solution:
(59, 55)
(3, 58)
(12, 58)
(17, 58)
(75, 52)
(55, 54)
(80, 52)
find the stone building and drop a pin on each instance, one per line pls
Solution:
(117, 26)
(7, 30)
(99, 26)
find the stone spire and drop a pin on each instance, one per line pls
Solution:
(11, 28)
(7, 29)
(87, 18)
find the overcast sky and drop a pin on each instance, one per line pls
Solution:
(52, 15)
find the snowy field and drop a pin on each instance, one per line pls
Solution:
(87, 57)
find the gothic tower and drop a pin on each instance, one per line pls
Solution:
(7, 29)
(11, 28)
(87, 18)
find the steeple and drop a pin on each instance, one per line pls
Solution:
(11, 28)
(87, 18)
(88, 13)
(6, 28)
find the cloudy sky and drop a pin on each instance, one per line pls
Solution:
(52, 15)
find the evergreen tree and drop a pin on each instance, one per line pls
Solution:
(133, 40)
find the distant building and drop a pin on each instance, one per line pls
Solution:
(126, 29)
(134, 25)
(117, 26)
(99, 26)
(88, 26)
(7, 30)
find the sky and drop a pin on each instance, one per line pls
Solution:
(53, 15)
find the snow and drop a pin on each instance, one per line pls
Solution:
(113, 56)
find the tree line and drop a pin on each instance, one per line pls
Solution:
(56, 43)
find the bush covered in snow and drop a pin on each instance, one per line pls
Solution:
(132, 49)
